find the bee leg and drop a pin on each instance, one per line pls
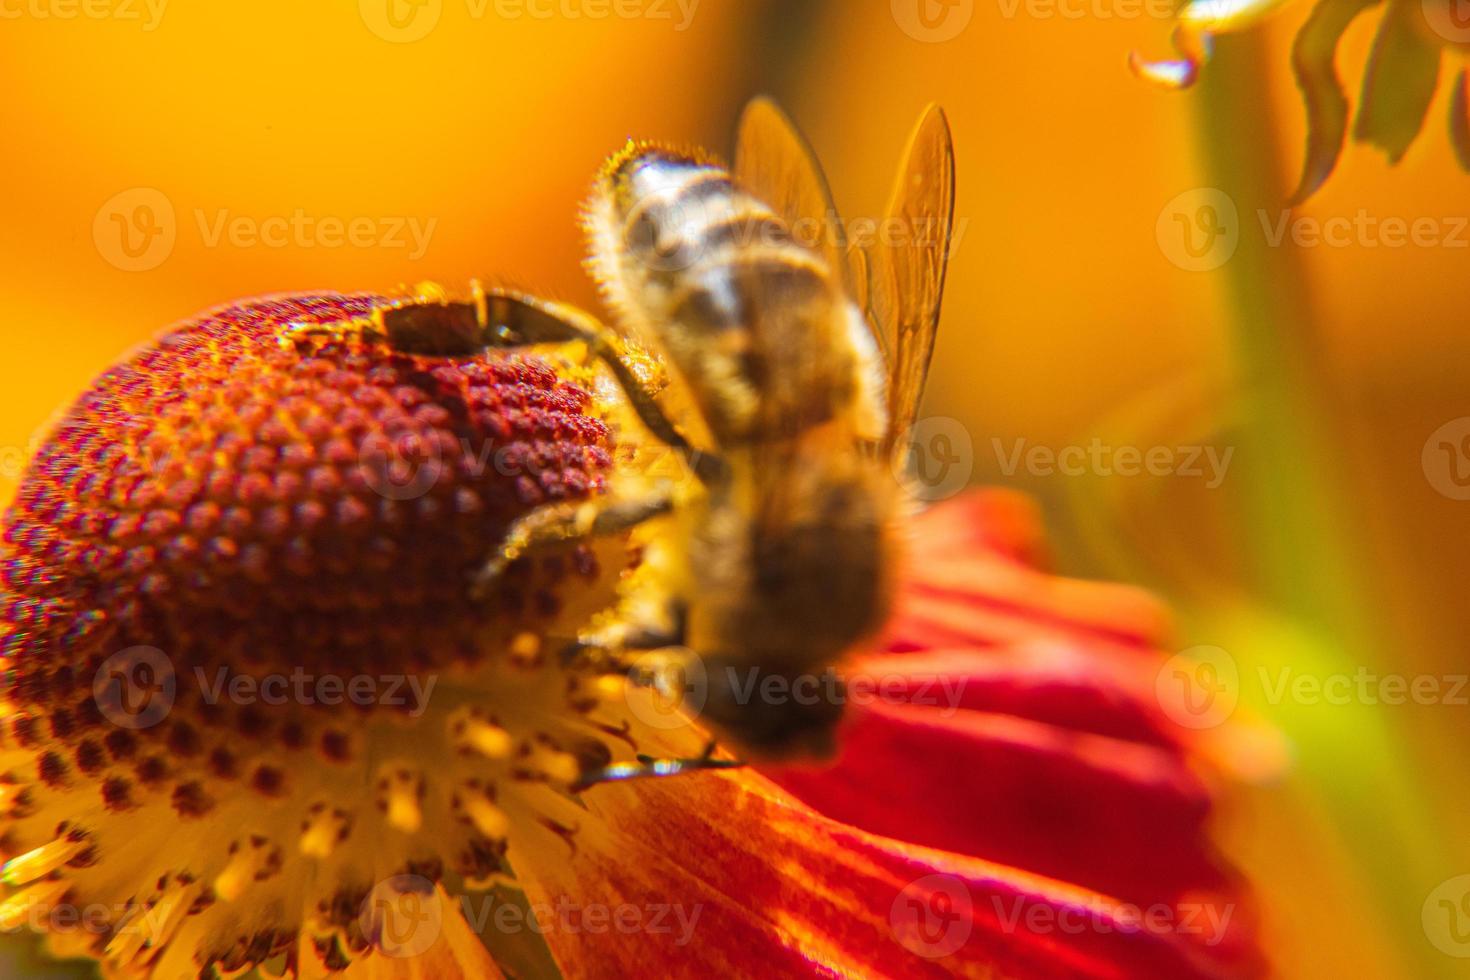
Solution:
(603, 652)
(528, 320)
(648, 767)
(560, 524)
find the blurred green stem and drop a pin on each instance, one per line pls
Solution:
(1305, 566)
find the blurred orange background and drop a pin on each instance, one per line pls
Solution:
(1326, 547)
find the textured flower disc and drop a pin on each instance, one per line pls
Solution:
(246, 679)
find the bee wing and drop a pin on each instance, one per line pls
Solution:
(774, 161)
(909, 263)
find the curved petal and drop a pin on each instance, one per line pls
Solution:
(1312, 59)
(773, 887)
(1120, 817)
(1460, 120)
(1399, 85)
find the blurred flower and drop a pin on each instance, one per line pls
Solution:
(1400, 82)
(267, 494)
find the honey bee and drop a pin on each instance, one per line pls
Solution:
(805, 357)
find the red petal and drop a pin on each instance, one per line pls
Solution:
(1119, 817)
(783, 891)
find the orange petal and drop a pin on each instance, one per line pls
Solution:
(775, 888)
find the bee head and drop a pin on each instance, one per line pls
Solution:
(766, 715)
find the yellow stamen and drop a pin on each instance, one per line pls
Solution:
(40, 862)
(491, 741)
(323, 833)
(17, 909)
(404, 812)
(488, 818)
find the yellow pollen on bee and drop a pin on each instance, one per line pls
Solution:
(40, 862)
(39, 898)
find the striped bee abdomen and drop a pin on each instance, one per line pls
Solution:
(752, 317)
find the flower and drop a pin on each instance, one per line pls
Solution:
(253, 717)
(1011, 799)
(1400, 82)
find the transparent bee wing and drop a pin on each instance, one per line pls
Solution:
(909, 263)
(774, 162)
